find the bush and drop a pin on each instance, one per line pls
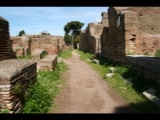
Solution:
(40, 95)
(157, 54)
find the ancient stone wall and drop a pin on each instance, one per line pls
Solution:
(149, 66)
(132, 30)
(5, 42)
(15, 75)
(90, 38)
(51, 44)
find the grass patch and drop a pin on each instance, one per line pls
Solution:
(40, 95)
(66, 54)
(157, 54)
(132, 93)
(25, 57)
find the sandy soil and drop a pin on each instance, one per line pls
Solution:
(85, 91)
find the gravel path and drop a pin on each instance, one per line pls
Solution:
(85, 91)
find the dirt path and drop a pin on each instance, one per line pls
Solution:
(86, 92)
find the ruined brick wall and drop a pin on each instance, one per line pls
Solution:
(147, 65)
(148, 41)
(90, 39)
(5, 42)
(82, 41)
(13, 73)
(15, 76)
(112, 40)
(51, 44)
(132, 30)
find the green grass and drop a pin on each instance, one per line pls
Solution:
(40, 95)
(157, 54)
(66, 54)
(132, 93)
(25, 57)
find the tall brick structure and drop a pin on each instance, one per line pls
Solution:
(131, 30)
(14, 74)
(5, 42)
(51, 44)
(90, 40)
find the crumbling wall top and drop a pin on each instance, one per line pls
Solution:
(12, 67)
(2, 19)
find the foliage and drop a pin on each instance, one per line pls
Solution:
(21, 33)
(5, 111)
(25, 57)
(66, 53)
(84, 55)
(68, 39)
(45, 33)
(40, 95)
(43, 54)
(17, 89)
(157, 54)
(74, 28)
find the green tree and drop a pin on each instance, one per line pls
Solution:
(68, 39)
(74, 28)
(21, 33)
(45, 33)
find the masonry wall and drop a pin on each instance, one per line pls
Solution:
(132, 30)
(148, 41)
(90, 40)
(149, 66)
(51, 44)
(5, 42)
(15, 75)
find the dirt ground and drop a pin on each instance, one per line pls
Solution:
(85, 91)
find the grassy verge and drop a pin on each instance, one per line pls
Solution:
(40, 95)
(25, 57)
(66, 54)
(132, 93)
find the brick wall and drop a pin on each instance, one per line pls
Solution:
(131, 30)
(51, 44)
(13, 73)
(5, 42)
(90, 40)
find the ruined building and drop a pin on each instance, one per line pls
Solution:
(128, 35)
(131, 30)
(15, 75)
(26, 44)
(124, 31)
(5, 42)
(90, 40)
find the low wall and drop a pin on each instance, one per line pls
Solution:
(38, 54)
(15, 76)
(148, 65)
(47, 63)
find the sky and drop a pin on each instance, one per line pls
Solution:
(34, 20)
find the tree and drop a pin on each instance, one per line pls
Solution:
(68, 38)
(21, 33)
(74, 28)
(45, 33)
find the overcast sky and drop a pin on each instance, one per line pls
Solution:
(34, 20)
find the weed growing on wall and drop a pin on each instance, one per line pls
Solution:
(157, 54)
(40, 95)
